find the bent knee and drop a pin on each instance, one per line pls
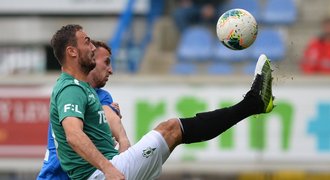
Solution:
(170, 127)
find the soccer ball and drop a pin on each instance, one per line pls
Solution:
(237, 29)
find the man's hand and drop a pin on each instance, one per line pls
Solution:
(111, 173)
(83, 146)
(117, 108)
(117, 127)
(124, 145)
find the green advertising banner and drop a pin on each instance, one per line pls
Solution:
(295, 135)
(296, 132)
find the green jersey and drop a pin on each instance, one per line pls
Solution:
(74, 98)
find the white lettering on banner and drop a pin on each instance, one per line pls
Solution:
(32, 111)
(35, 111)
(19, 112)
(23, 110)
(72, 107)
(42, 111)
(5, 107)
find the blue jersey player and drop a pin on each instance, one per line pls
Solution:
(51, 169)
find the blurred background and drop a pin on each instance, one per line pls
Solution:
(167, 63)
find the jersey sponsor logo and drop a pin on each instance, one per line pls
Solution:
(76, 81)
(148, 152)
(72, 107)
(91, 96)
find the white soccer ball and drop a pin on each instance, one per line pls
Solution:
(237, 29)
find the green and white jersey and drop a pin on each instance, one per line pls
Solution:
(73, 98)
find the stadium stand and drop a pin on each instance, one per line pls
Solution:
(279, 12)
(222, 53)
(184, 68)
(224, 59)
(195, 47)
(269, 41)
(196, 44)
(253, 6)
(124, 39)
(220, 68)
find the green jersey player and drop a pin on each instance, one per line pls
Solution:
(85, 146)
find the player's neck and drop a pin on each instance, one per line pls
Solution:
(91, 82)
(76, 73)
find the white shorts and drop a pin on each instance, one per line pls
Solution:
(142, 161)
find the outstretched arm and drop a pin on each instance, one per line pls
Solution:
(81, 144)
(117, 128)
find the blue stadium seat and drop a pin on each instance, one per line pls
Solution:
(195, 44)
(279, 12)
(220, 69)
(250, 67)
(186, 68)
(270, 42)
(224, 54)
(253, 6)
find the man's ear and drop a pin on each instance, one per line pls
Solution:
(71, 51)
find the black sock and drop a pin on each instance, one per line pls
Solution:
(208, 125)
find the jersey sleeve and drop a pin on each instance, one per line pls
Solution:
(105, 97)
(71, 102)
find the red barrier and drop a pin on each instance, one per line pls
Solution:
(23, 126)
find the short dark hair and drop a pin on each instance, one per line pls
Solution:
(62, 38)
(99, 44)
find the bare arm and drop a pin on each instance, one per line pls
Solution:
(117, 128)
(117, 108)
(82, 145)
